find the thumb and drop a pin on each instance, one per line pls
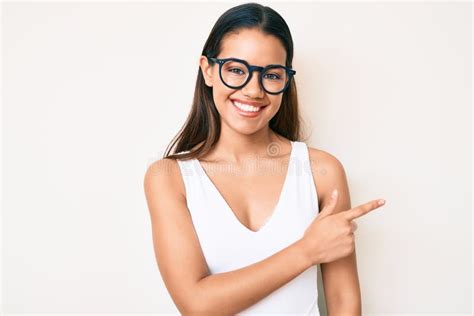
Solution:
(329, 208)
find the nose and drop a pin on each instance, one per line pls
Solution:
(253, 88)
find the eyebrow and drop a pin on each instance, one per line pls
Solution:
(252, 64)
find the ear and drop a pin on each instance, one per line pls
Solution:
(207, 70)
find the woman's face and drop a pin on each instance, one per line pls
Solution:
(257, 49)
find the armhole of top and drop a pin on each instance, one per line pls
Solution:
(314, 190)
(184, 165)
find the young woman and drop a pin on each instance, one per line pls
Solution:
(236, 219)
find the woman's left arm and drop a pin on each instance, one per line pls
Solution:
(340, 278)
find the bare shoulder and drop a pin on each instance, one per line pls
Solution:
(324, 162)
(175, 241)
(165, 174)
(328, 174)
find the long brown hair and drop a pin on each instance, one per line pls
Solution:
(203, 126)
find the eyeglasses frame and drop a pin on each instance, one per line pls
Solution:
(290, 72)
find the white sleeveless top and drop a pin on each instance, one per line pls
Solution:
(228, 245)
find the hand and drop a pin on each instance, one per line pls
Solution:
(331, 235)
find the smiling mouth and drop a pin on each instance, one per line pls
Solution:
(248, 108)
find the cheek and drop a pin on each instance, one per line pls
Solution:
(222, 98)
(221, 91)
(275, 105)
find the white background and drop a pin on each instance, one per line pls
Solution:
(93, 93)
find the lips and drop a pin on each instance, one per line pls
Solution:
(252, 103)
(246, 111)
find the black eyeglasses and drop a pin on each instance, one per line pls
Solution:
(236, 73)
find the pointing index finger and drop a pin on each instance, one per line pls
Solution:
(363, 209)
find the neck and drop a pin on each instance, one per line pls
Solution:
(234, 147)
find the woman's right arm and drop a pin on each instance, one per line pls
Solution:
(182, 264)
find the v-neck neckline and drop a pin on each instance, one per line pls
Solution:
(231, 212)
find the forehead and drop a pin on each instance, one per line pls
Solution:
(255, 47)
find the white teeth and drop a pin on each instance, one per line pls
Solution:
(246, 107)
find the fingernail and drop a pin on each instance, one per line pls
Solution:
(334, 193)
(381, 202)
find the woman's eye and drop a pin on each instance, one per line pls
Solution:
(274, 77)
(236, 70)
